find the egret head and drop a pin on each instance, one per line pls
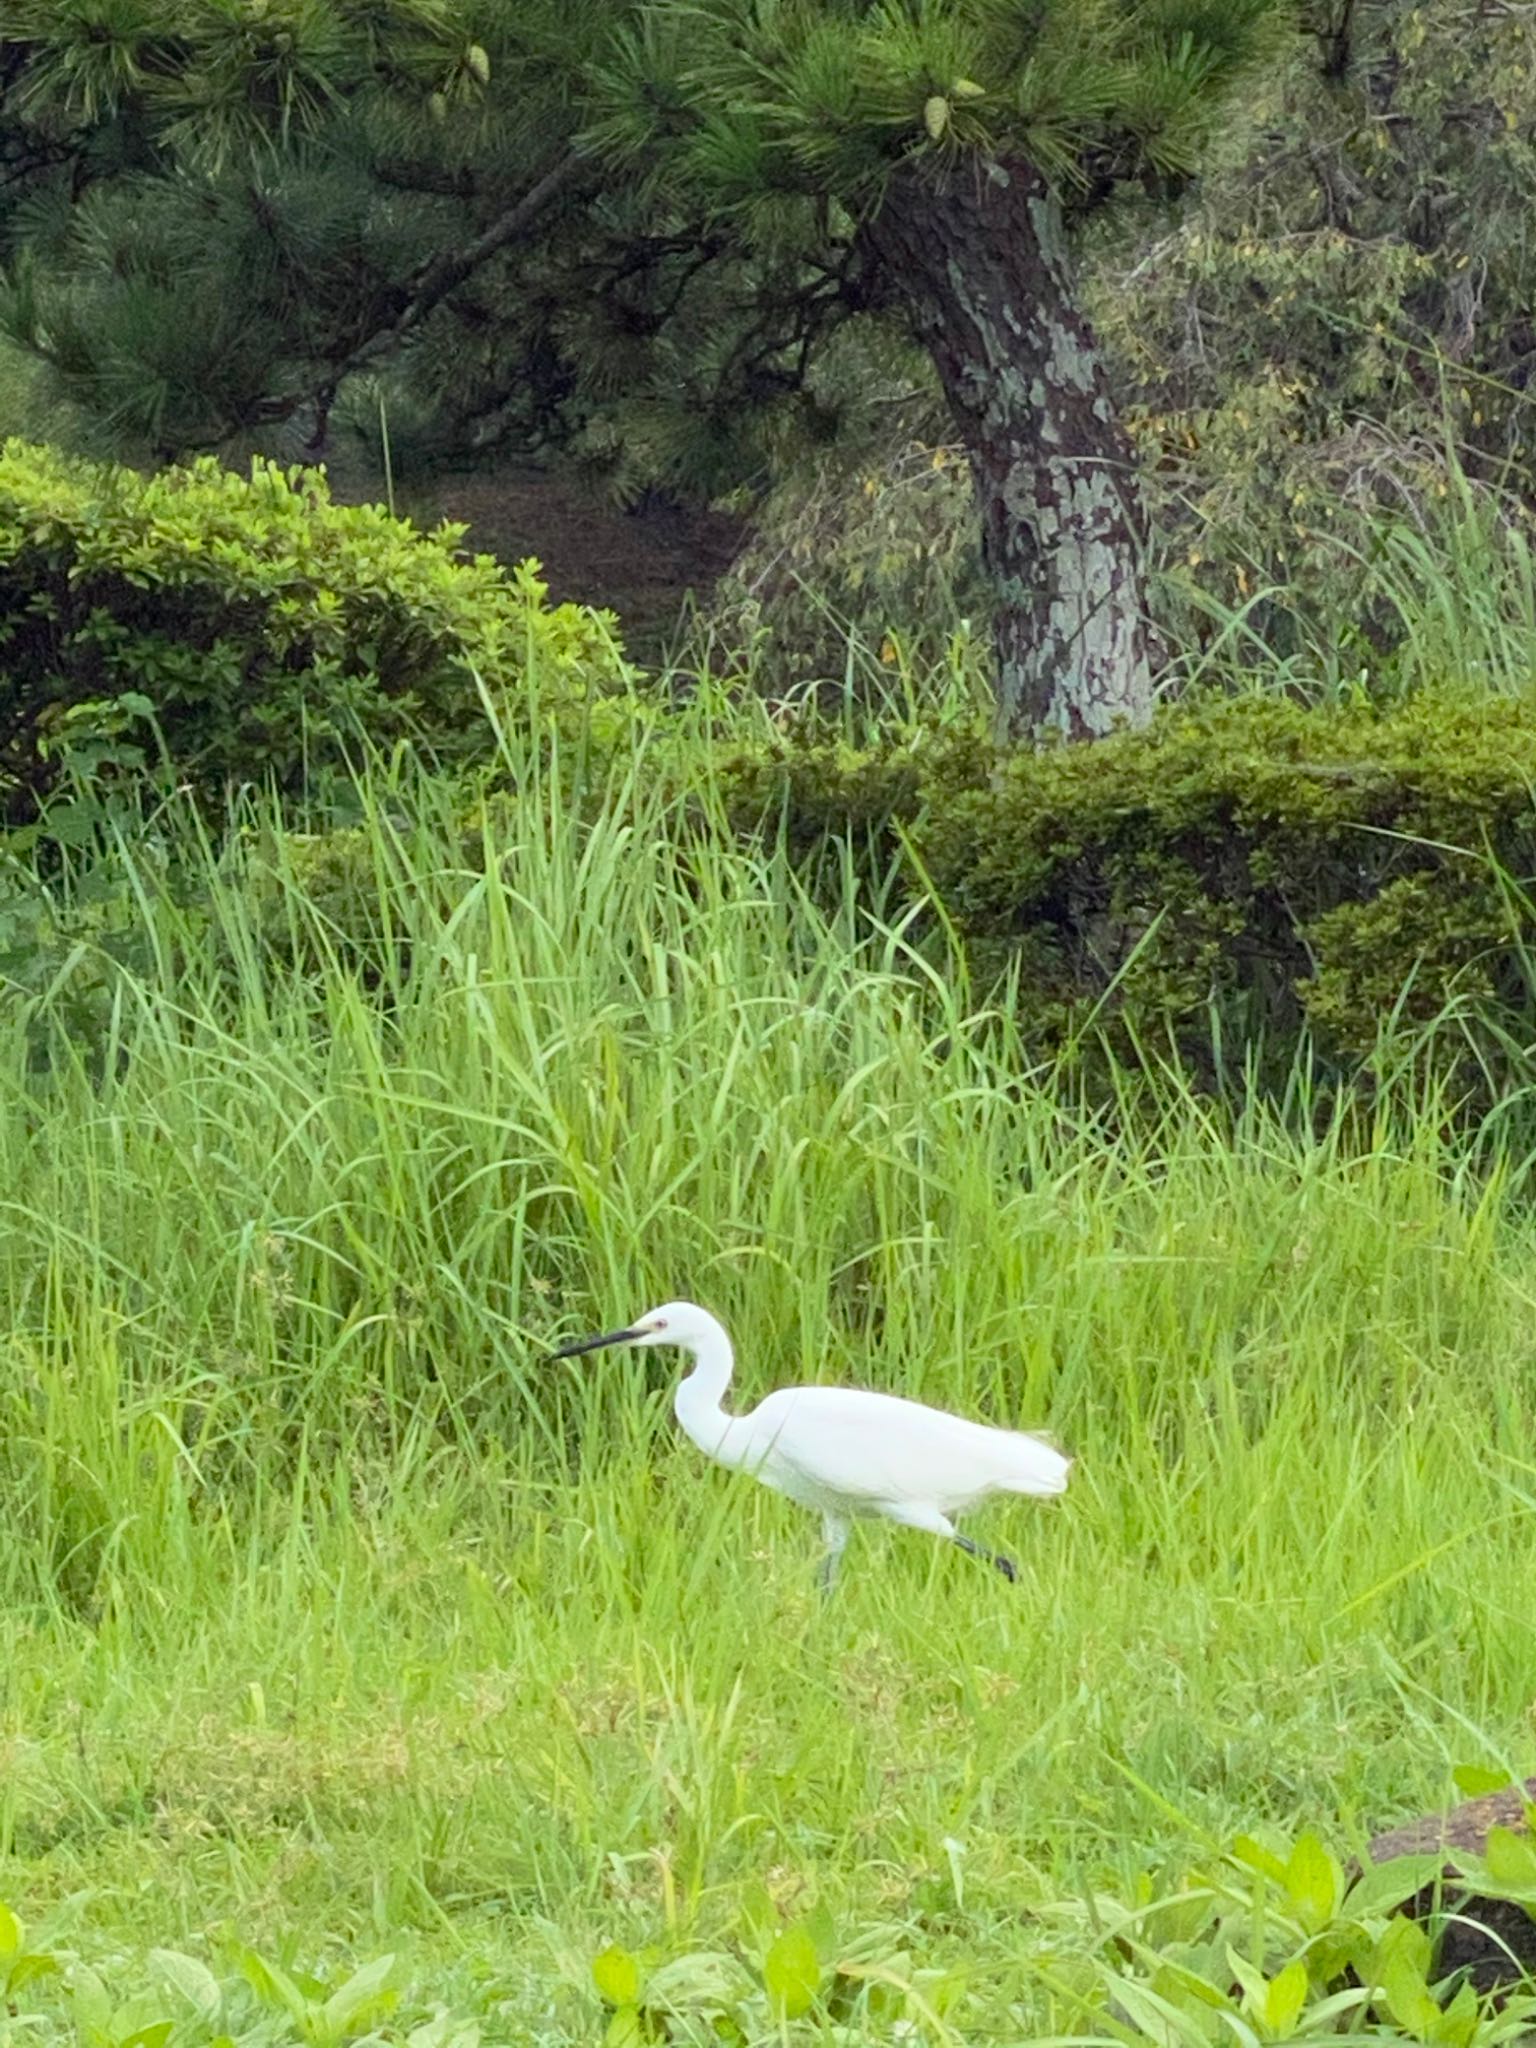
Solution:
(675, 1322)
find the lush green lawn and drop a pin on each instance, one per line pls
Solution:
(337, 1621)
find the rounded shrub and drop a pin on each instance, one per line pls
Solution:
(227, 629)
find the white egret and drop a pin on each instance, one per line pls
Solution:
(840, 1450)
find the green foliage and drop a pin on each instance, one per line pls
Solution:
(1338, 330)
(171, 1996)
(643, 231)
(876, 544)
(848, 558)
(824, 99)
(868, 1986)
(1326, 369)
(218, 226)
(1264, 1943)
(201, 626)
(217, 213)
(1267, 1943)
(1242, 870)
(221, 227)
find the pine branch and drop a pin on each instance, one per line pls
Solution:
(427, 291)
(448, 272)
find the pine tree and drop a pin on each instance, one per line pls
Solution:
(222, 209)
(959, 143)
(649, 215)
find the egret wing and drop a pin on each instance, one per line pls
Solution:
(858, 1446)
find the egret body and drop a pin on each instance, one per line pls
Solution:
(841, 1450)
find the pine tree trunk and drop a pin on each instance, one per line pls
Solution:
(981, 256)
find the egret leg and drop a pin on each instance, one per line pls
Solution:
(836, 1531)
(920, 1515)
(1005, 1565)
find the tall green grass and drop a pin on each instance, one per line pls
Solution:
(1442, 591)
(334, 1613)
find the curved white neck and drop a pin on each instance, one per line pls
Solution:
(697, 1402)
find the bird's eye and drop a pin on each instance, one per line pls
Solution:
(660, 1323)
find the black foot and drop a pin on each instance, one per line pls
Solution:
(1005, 1565)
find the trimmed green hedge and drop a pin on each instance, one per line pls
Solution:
(1239, 871)
(239, 629)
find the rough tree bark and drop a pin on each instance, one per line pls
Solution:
(980, 254)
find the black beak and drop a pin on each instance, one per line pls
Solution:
(594, 1343)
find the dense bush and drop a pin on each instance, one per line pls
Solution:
(848, 555)
(1251, 865)
(237, 629)
(1331, 333)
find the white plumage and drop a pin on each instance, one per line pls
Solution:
(840, 1450)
